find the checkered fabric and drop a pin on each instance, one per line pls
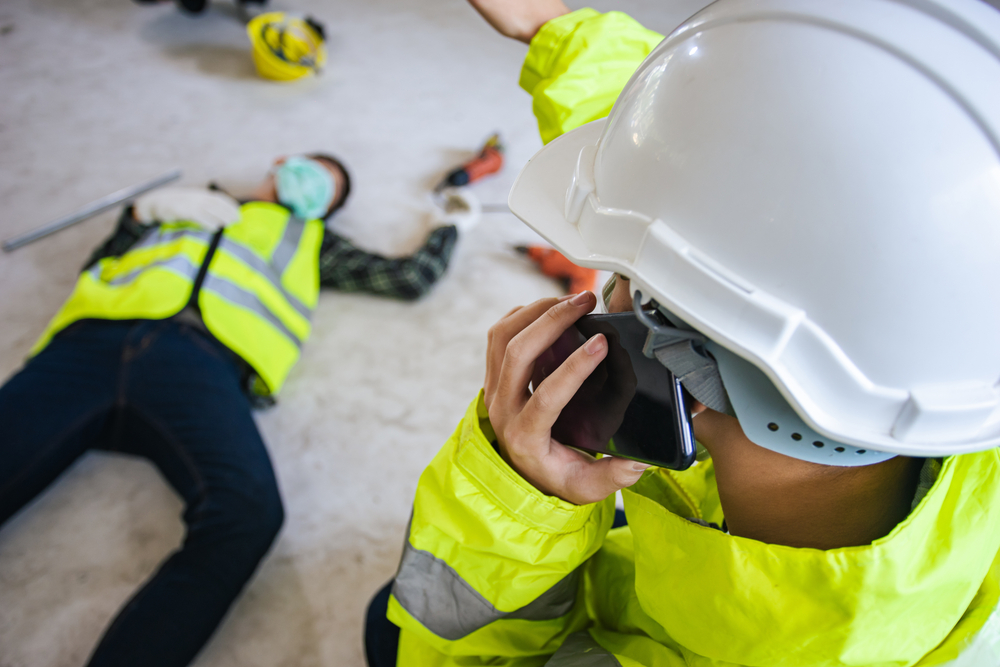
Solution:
(344, 266)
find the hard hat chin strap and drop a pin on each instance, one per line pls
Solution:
(660, 334)
(683, 352)
(765, 416)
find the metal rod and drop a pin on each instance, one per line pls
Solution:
(90, 210)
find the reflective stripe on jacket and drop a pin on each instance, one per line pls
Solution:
(495, 572)
(257, 296)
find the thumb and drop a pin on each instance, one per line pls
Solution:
(606, 476)
(622, 473)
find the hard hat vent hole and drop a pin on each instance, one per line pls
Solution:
(773, 426)
(817, 444)
(838, 449)
(862, 451)
(796, 436)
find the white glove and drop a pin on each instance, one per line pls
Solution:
(459, 207)
(207, 208)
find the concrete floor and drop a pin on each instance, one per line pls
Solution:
(101, 94)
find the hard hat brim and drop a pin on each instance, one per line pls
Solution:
(537, 197)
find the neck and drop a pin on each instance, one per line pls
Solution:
(779, 500)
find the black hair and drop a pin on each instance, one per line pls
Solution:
(341, 196)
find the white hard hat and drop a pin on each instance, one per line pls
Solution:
(815, 187)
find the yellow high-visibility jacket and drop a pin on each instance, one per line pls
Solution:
(496, 573)
(257, 295)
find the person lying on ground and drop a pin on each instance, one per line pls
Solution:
(191, 313)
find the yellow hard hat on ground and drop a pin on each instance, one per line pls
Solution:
(286, 47)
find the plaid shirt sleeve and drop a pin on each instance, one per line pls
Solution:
(128, 231)
(344, 266)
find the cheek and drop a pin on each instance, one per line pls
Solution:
(621, 300)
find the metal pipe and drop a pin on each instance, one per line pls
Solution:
(90, 210)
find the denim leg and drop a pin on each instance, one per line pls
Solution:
(55, 408)
(185, 411)
(381, 634)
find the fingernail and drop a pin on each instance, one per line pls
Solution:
(595, 344)
(581, 298)
(640, 466)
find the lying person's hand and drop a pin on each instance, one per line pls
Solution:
(206, 208)
(519, 19)
(458, 207)
(523, 420)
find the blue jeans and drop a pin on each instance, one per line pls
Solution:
(381, 636)
(167, 392)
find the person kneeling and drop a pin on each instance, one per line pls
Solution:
(807, 191)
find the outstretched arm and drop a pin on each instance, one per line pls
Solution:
(578, 64)
(519, 19)
(344, 266)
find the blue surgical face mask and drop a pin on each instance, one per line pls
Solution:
(305, 186)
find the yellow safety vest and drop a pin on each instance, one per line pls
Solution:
(256, 297)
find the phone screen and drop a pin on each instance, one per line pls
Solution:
(631, 406)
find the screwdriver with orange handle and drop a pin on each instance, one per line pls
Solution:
(489, 161)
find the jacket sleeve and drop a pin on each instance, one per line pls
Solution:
(578, 64)
(344, 266)
(491, 566)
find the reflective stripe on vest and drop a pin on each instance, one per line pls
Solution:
(444, 603)
(179, 264)
(580, 650)
(272, 271)
(283, 254)
(163, 235)
(235, 294)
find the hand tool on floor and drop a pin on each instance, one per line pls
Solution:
(489, 161)
(575, 279)
(90, 210)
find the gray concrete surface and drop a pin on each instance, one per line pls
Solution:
(96, 95)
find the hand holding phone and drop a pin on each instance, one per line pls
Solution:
(523, 419)
(630, 405)
(595, 413)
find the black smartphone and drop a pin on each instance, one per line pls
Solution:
(631, 405)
